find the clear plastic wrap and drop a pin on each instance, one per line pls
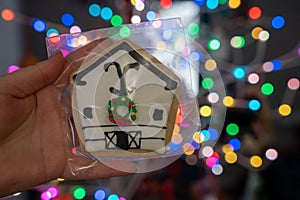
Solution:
(126, 94)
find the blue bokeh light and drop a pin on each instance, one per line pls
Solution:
(151, 15)
(67, 19)
(239, 72)
(99, 194)
(236, 143)
(199, 2)
(39, 25)
(254, 105)
(51, 31)
(212, 4)
(113, 197)
(278, 22)
(277, 64)
(106, 13)
(94, 10)
(214, 134)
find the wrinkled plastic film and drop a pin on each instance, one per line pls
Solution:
(142, 84)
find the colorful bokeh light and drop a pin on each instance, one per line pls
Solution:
(75, 29)
(212, 4)
(263, 35)
(199, 2)
(79, 193)
(253, 78)
(210, 65)
(106, 13)
(207, 83)
(52, 32)
(277, 64)
(231, 157)
(239, 72)
(228, 101)
(39, 25)
(256, 161)
(150, 15)
(125, 32)
(237, 42)
(267, 89)
(205, 111)
(207, 151)
(278, 22)
(255, 12)
(213, 97)
(254, 105)
(113, 197)
(166, 3)
(67, 19)
(235, 143)
(293, 84)
(271, 154)
(214, 44)
(135, 19)
(255, 32)
(193, 29)
(268, 66)
(285, 110)
(232, 129)
(94, 10)
(217, 169)
(116, 20)
(99, 194)
(233, 4)
(7, 15)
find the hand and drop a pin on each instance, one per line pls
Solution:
(32, 134)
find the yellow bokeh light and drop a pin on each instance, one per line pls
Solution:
(205, 111)
(60, 179)
(234, 3)
(210, 65)
(188, 149)
(197, 137)
(255, 161)
(227, 148)
(255, 32)
(177, 138)
(285, 110)
(228, 101)
(133, 2)
(231, 157)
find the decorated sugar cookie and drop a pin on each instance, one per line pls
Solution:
(124, 103)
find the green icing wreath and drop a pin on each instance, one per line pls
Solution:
(119, 118)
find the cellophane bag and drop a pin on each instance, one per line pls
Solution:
(126, 94)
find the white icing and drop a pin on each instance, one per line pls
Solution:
(144, 87)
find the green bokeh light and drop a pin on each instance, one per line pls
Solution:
(193, 29)
(207, 83)
(267, 89)
(223, 1)
(116, 20)
(214, 44)
(79, 193)
(232, 129)
(238, 42)
(125, 32)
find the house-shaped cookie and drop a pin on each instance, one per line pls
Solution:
(124, 103)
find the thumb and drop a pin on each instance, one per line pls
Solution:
(31, 79)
